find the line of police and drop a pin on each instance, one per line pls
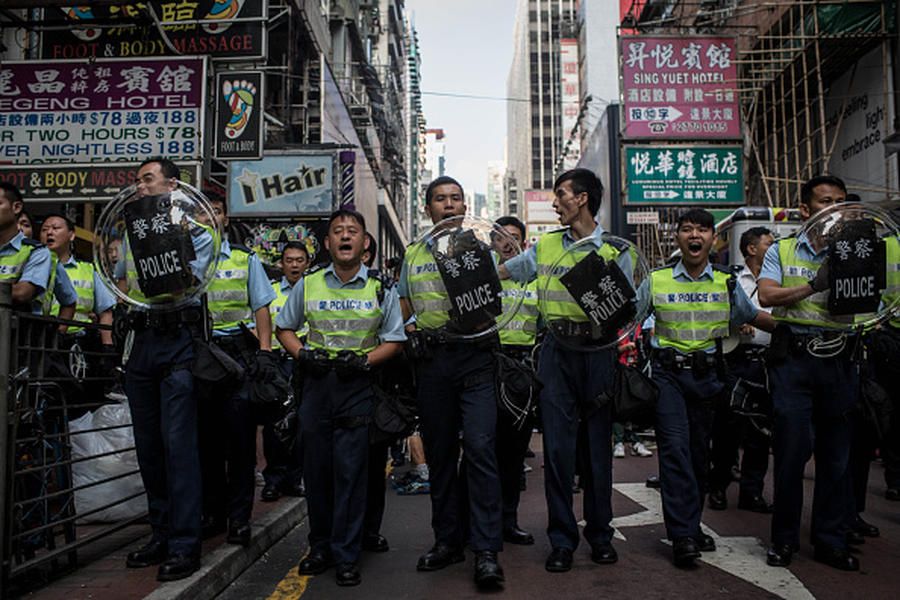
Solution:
(355, 322)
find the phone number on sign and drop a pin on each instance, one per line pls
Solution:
(699, 126)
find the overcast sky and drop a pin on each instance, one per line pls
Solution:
(466, 48)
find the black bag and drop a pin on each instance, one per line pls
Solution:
(876, 409)
(212, 365)
(517, 388)
(635, 396)
(269, 385)
(392, 418)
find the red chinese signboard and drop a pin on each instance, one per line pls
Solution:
(680, 88)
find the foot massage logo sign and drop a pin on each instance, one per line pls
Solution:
(239, 121)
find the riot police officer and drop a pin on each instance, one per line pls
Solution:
(354, 325)
(694, 302)
(23, 261)
(809, 391)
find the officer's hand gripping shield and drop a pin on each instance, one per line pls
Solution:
(157, 252)
(856, 270)
(588, 299)
(453, 281)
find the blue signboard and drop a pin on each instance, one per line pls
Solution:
(281, 185)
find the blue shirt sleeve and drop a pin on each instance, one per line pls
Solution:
(403, 285)
(771, 267)
(742, 309)
(103, 298)
(391, 329)
(37, 269)
(291, 316)
(259, 288)
(203, 247)
(63, 290)
(523, 268)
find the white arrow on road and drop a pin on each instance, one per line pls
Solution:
(743, 557)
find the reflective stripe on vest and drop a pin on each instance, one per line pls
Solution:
(12, 265)
(553, 261)
(521, 329)
(48, 297)
(426, 288)
(228, 298)
(341, 319)
(812, 310)
(275, 308)
(690, 315)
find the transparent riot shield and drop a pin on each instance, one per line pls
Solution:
(589, 299)
(453, 281)
(157, 252)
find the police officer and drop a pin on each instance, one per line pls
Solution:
(455, 392)
(694, 302)
(284, 470)
(60, 291)
(884, 349)
(94, 302)
(23, 261)
(572, 379)
(517, 339)
(808, 392)
(747, 371)
(160, 390)
(239, 295)
(354, 325)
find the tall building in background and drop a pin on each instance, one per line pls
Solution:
(435, 153)
(494, 197)
(543, 91)
(418, 177)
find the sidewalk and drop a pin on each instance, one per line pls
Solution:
(107, 578)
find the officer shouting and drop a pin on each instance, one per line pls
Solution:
(354, 325)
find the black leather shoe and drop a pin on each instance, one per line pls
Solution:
(705, 543)
(294, 490)
(177, 566)
(892, 494)
(653, 482)
(755, 503)
(375, 542)
(211, 527)
(604, 555)
(837, 558)
(779, 555)
(315, 563)
(559, 561)
(488, 572)
(347, 574)
(440, 556)
(685, 551)
(269, 493)
(517, 536)
(238, 533)
(855, 538)
(717, 500)
(865, 528)
(152, 553)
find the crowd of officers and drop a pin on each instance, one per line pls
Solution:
(332, 327)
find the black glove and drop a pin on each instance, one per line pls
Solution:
(348, 363)
(269, 386)
(820, 282)
(416, 345)
(313, 362)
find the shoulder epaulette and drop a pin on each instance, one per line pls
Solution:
(315, 269)
(240, 247)
(32, 243)
(618, 244)
(727, 269)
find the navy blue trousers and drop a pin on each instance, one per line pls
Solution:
(813, 398)
(283, 467)
(456, 393)
(336, 452)
(683, 424)
(571, 380)
(164, 415)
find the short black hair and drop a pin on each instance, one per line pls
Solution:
(583, 180)
(751, 236)
(294, 245)
(347, 213)
(806, 190)
(69, 223)
(11, 192)
(166, 167)
(697, 216)
(220, 201)
(27, 215)
(372, 249)
(853, 198)
(442, 180)
(510, 220)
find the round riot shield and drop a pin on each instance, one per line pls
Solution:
(453, 281)
(849, 254)
(157, 252)
(589, 297)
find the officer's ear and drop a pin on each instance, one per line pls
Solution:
(327, 243)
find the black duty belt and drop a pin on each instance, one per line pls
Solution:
(571, 329)
(671, 359)
(141, 320)
(752, 352)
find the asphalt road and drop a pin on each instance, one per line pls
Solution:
(644, 571)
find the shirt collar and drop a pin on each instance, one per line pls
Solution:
(596, 235)
(15, 243)
(746, 272)
(680, 271)
(285, 284)
(71, 262)
(361, 275)
(803, 240)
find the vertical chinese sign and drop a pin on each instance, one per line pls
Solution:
(680, 88)
(239, 122)
(570, 97)
(101, 111)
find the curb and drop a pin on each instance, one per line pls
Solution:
(224, 564)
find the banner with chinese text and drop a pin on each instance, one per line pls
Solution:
(101, 111)
(680, 88)
(691, 175)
